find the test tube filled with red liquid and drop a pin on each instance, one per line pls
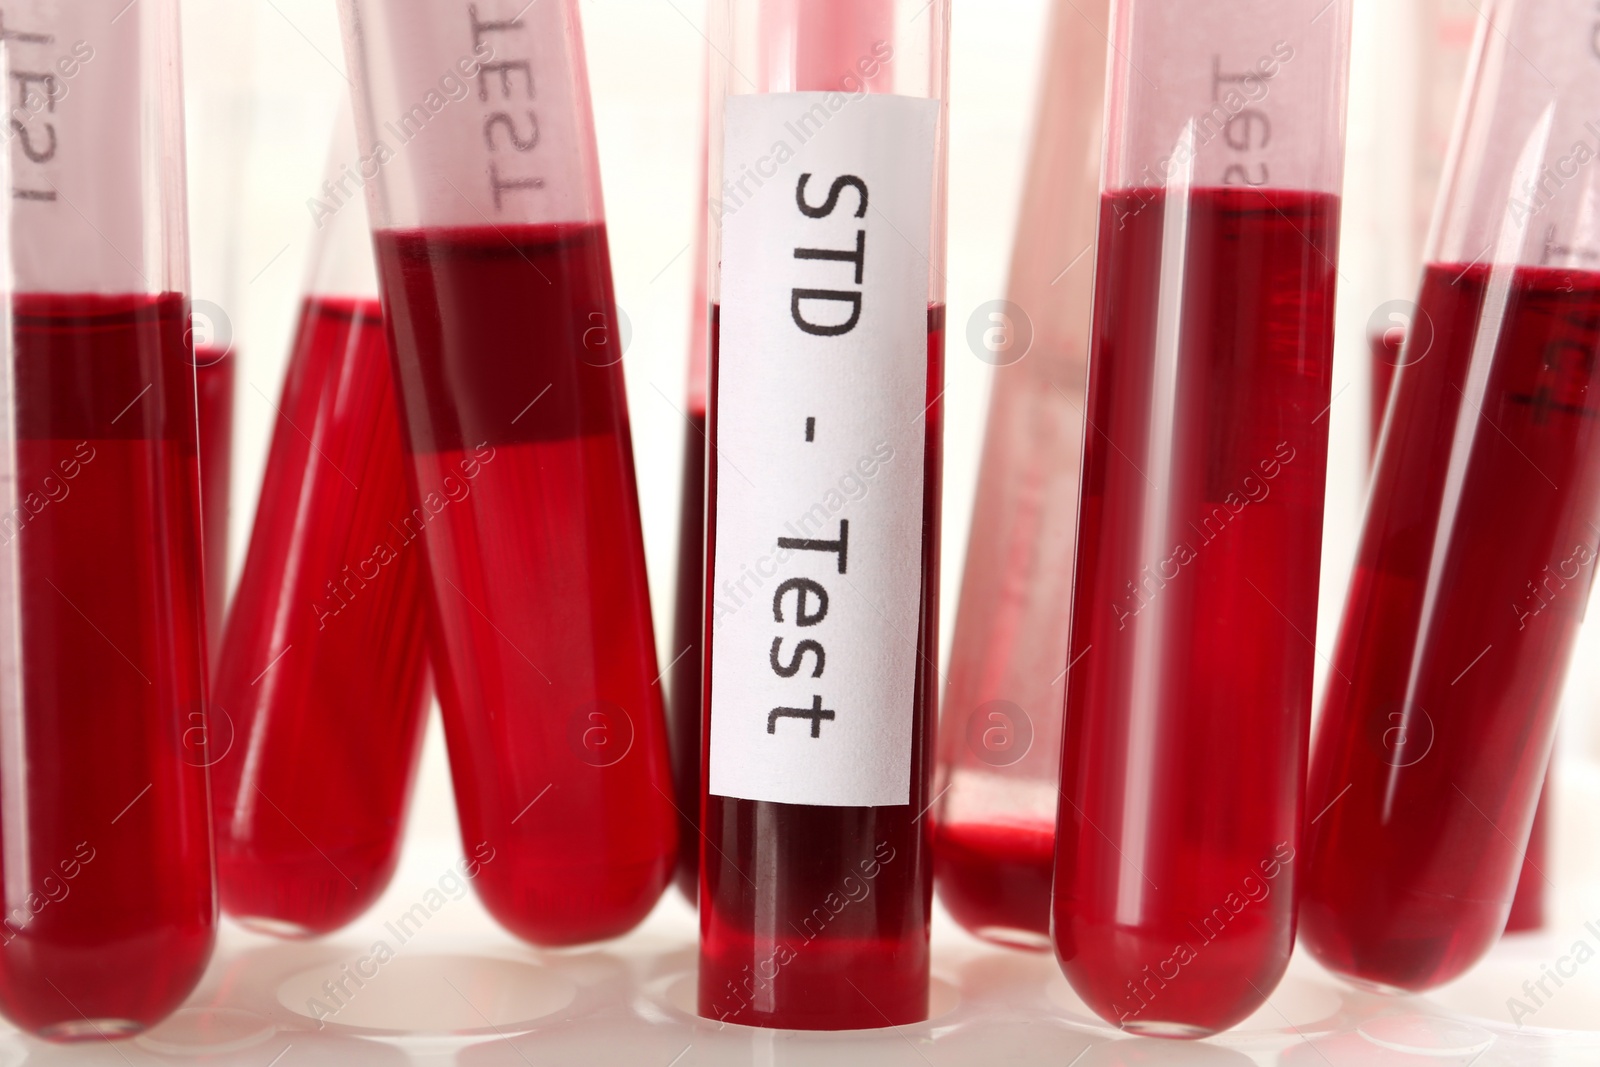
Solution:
(1529, 905)
(1479, 544)
(1000, 733)
(827, 184)
(215, 383)
(1436, 43)
(1189, 671)
(109, 913)
(323, 671)
(688, 620)
(477, 146)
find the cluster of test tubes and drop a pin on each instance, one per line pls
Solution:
(1118, 763)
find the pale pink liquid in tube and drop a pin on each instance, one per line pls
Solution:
(1000, 734)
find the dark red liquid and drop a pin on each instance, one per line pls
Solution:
(1386, 348)
(517, 431)
(106, 849)
(214, 378)
(1475, 564)
(683, 698)
(323, 672)
(1189, 693)
(766, 868)
(995, 878)
(1528, 905)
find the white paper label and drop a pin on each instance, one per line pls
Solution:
(480, 113)
(76, 126)
(821, 392)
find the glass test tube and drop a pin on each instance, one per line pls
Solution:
(105, 847)
(219, 114)
(323, 671)
(215, 376)
(688, 619)
(1479, 544)
(1445, 47)
(827, 175)
(1454, 24)
(1437, 49)
(1190, 671)
(1000, 733)
(478, 147)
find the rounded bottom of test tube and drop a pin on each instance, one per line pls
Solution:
(299, 896)
(579, 905)
(1128, 978)
(1391, 977)
(1408, 943)
(995, 880)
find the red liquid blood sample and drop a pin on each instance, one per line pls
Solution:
(322, 682)
(507, 359)
(1471, 580)
(1528, 905)
(106, 850)
(214, 382)
(867, 965)
(684, 676)
(995, 878)
(1188, 698)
